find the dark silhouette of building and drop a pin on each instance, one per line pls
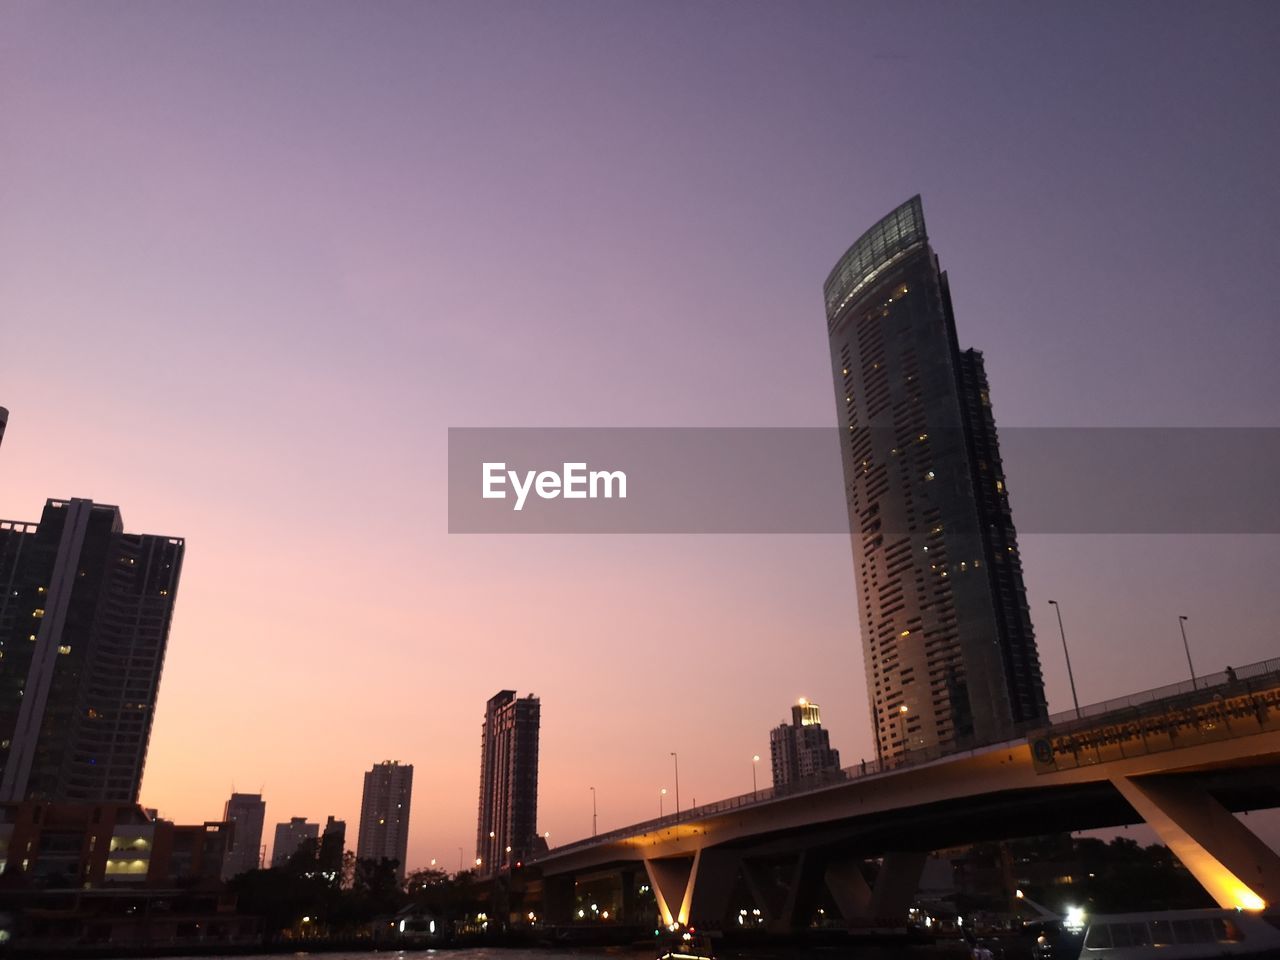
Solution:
(949, 650)
(290, 837)
(801, 749)
(246, 813)
(4, 422)
(85, 610)
(333, 841)
(384, 814)
(507, 827)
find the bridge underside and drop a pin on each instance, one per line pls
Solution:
(787, 871)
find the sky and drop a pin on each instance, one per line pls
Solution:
(257, 258)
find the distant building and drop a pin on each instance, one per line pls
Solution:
(801, 750)
(245, 812)
(89, 845)
(333, 841)
(289, 837)
(84, 622)
(949, 651)
(507, 827)
(384, 814)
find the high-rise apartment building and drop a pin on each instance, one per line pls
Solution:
(246, 813)
(949, 651)
(384, 813)
(85, 610)
(507, 825)
(801, 749)
(289, 837)
(333, 841)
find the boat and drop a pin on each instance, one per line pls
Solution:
(690, 946)
(1164, 935)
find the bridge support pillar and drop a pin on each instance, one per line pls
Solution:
(557, 899)
(673, 880)
(784, 892)
(627, 898)
(848, 888)
(1231, 863)
(896, 884)
(712, 883)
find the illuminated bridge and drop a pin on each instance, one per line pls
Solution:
(1180, 758)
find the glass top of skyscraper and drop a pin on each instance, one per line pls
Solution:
(894, 235)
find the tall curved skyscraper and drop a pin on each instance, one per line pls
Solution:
(949, 650)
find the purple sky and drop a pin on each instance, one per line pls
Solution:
(255, 258)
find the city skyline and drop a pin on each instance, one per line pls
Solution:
(307, 274)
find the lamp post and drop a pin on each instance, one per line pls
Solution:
(902, 727)
(459, 859)
(593, 811)
(1070, 676)
(676, 757)
(1182, 625)
(661, 796)
(754, 788)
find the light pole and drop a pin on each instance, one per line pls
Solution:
(754, 789)
(1070, 676)
(1182, 625)
(459, 859)
(593, 811)
(676, 758)
(661, 796)
(902, 727)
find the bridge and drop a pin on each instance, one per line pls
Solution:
(1180, 758)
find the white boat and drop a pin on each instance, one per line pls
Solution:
(1178, 935)
(690, 947)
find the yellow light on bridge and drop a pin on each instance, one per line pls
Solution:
(1251, 901)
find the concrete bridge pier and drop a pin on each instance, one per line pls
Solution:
(786, 892)
(895, 889)
(713, 882)
(673, 880)
(557, 900)
(1231, 863)
(848, 887)
(627, 901)
(774, 887)
(896, 884)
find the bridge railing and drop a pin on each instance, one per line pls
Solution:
(917, 757)
(1228, 676)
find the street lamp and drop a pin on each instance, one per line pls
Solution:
(754, 789)
(593, 811)
(661, 795)
(459, 859)
(1182, 625)
(676, 757)
(902, 726)
(1070, 675)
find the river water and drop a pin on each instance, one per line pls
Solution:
(949, 951)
